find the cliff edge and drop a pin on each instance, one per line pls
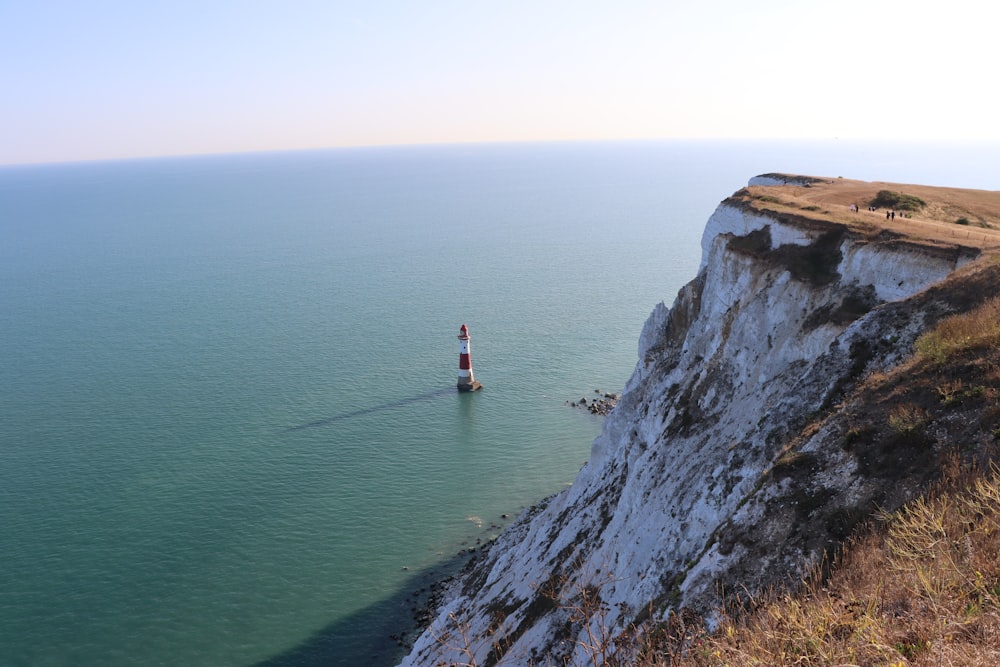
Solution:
(733, 460)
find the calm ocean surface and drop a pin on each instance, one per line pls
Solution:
(228, 427)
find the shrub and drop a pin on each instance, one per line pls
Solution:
(907, 418)
(768, 199)
(962, 221)
(898, 201)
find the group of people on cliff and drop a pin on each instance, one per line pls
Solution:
(889, 214)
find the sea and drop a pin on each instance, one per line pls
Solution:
(229, 428)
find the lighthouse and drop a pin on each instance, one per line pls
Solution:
(466, 381)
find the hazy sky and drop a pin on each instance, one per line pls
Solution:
(94, 79)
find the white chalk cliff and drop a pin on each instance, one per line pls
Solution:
(691, 487)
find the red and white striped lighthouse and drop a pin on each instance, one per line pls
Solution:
(466, 381)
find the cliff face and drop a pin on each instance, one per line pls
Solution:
(707, 475)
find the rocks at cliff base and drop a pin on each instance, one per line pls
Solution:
(601, 406)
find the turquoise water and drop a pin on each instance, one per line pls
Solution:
(229, 429)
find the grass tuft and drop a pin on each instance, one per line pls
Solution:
(906, 419)
(958, 333)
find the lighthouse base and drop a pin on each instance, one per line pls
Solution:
(469, 386)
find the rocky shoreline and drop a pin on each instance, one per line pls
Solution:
(425, 600)
(601, 406)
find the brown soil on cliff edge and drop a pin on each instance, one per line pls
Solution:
(936, 224)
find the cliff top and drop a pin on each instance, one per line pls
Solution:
(932, 216)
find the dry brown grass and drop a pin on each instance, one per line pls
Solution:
(829, 199)
(975, 329)
(923, 588)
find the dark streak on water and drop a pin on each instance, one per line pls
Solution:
(375, 408)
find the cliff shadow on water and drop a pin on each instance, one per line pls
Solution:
(381, 634)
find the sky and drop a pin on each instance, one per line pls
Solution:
(108, 79)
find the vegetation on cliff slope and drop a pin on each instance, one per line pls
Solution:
(920, 586)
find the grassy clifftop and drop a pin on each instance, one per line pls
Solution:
(931, 216)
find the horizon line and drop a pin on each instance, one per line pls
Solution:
(501, 142)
